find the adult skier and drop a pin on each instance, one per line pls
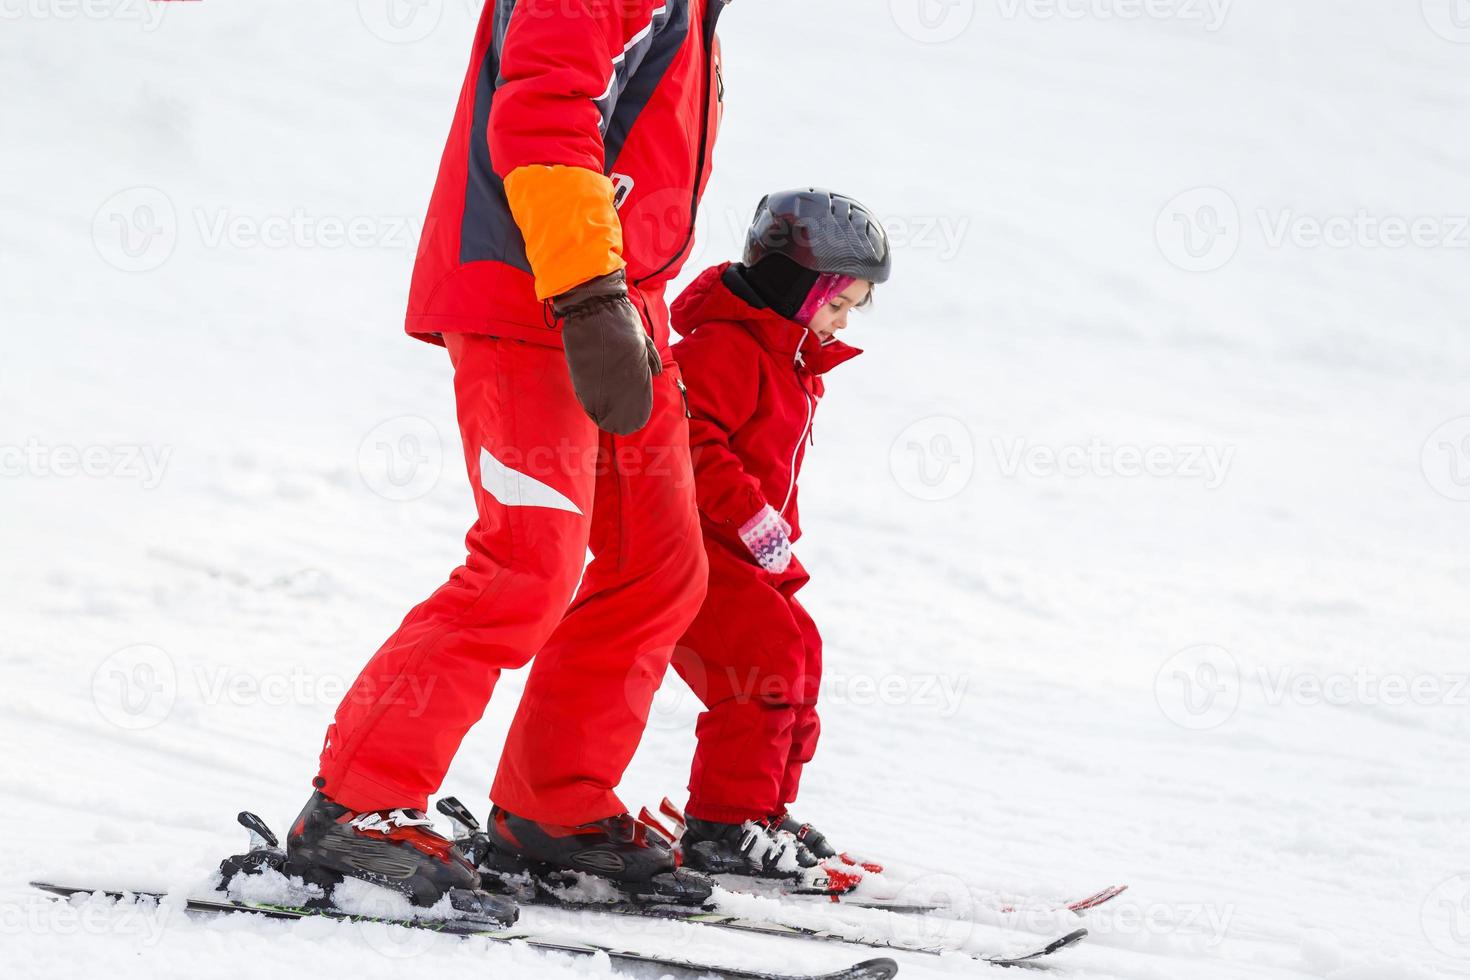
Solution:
(565, 201)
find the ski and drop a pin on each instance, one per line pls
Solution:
(1093, 901)
(846, 876)
(859, 901)
(1077, 907)
(567, 890)
(874, 969)
(1029, 959)
(763, 927)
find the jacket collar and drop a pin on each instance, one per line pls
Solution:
(709, 298)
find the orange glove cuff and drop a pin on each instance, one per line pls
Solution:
(567, 218)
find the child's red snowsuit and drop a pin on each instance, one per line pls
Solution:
(753, 655)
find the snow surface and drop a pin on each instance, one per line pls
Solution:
(1237, 683)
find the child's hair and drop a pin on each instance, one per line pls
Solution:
(794, 292)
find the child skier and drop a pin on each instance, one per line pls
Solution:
(758, 337)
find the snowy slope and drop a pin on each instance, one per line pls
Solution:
(1225, 240)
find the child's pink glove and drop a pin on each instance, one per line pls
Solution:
(767, 535)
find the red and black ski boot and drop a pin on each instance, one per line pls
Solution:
(619, 850)
(395, 849)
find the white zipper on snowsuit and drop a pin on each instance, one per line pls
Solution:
(811, 405)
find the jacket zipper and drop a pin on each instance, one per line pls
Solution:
(684, 394)
(805, 431)
(711, 15)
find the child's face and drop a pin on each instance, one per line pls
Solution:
(832, 316)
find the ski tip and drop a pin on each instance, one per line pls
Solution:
(1029, 959)
(65, 891)
(47, 886)
(1099, 898)
(117, 894)
(1070, 939)
(878, 969)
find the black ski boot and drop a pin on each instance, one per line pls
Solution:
(395, 849)
(749, 848)
(619, 850)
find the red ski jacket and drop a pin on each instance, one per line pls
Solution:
(626, 88)
(754, 379)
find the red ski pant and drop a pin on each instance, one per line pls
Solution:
(754, 657)
(548, 485)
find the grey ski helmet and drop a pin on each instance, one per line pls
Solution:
(819, 230)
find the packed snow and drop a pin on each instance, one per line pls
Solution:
(1139, 534)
